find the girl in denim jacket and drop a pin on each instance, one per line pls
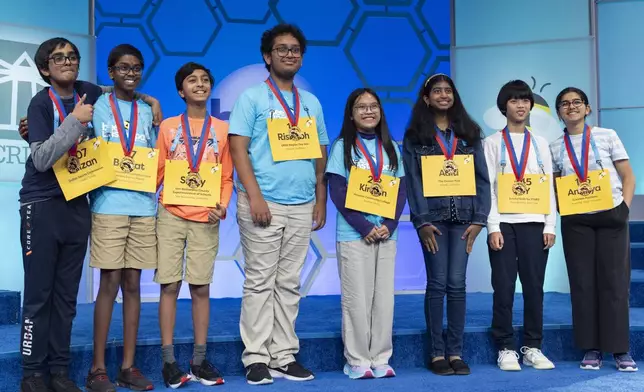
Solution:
(449, 206)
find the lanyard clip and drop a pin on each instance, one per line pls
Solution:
(599, 162)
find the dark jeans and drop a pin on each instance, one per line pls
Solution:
(446, 276)
(54, 235)
(522, 253)
(598, 258)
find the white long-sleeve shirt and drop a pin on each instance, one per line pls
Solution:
(492, 147)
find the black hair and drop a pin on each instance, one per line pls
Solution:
(186, 70)
(268, 39)
(46, 49)
(567, 90)
(422, 124)
(349, 131)
(514, 89)
(123, 50)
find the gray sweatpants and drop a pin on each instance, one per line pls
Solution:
(273, 257)
(367, 280)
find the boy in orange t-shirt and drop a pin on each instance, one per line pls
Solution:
(190, 229)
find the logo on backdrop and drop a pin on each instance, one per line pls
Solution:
(543, 121)
(19, 82)
(227, 91)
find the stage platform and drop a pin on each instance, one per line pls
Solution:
(321, 348)
(318, 327)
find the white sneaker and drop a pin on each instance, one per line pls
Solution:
(358, 372)
(535, 358)
(508, 360)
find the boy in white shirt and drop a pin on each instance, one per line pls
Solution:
(521, 225)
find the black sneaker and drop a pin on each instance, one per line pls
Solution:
(206, 374)
(98, 381)
(60, 382)
(258, 374)
(133, 379)
(293, 371)
(33, 383)
(173, 377)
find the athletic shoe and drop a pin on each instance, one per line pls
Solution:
(206, 374)
(258, 374)
(508, 360)
(535, 358)
(383, 371)
(133, 379)
(592, 360)
(60, 382)
(293, 371)
(625, 363)
(173, 377)
(33, 383)
(98, 381)
(358, 372)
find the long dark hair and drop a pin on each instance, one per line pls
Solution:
(422, 125)
(349, 132)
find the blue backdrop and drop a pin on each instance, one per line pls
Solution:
(389, 45)
(621, 60)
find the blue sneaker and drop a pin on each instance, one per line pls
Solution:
(383, 371)
(625, 363)
(358, 372)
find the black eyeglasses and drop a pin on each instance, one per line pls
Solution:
(60, 59)
(575, 103)
(125, 69)
(282, 51)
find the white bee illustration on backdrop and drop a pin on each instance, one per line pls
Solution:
(542, 121)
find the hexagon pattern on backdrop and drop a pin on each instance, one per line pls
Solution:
(389, 45)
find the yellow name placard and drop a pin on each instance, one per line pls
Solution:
(291, 143)
(576, 197)
(85, 171)
(528, 196)
(371, 197)
(442, 177)
(138, 172)
(181, 187)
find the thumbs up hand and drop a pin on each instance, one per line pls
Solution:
(83, 112)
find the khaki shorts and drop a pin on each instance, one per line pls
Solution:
(199, 241)
(121, 241)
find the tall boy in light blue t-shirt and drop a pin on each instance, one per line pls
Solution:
(123, 235)
(279, 202)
